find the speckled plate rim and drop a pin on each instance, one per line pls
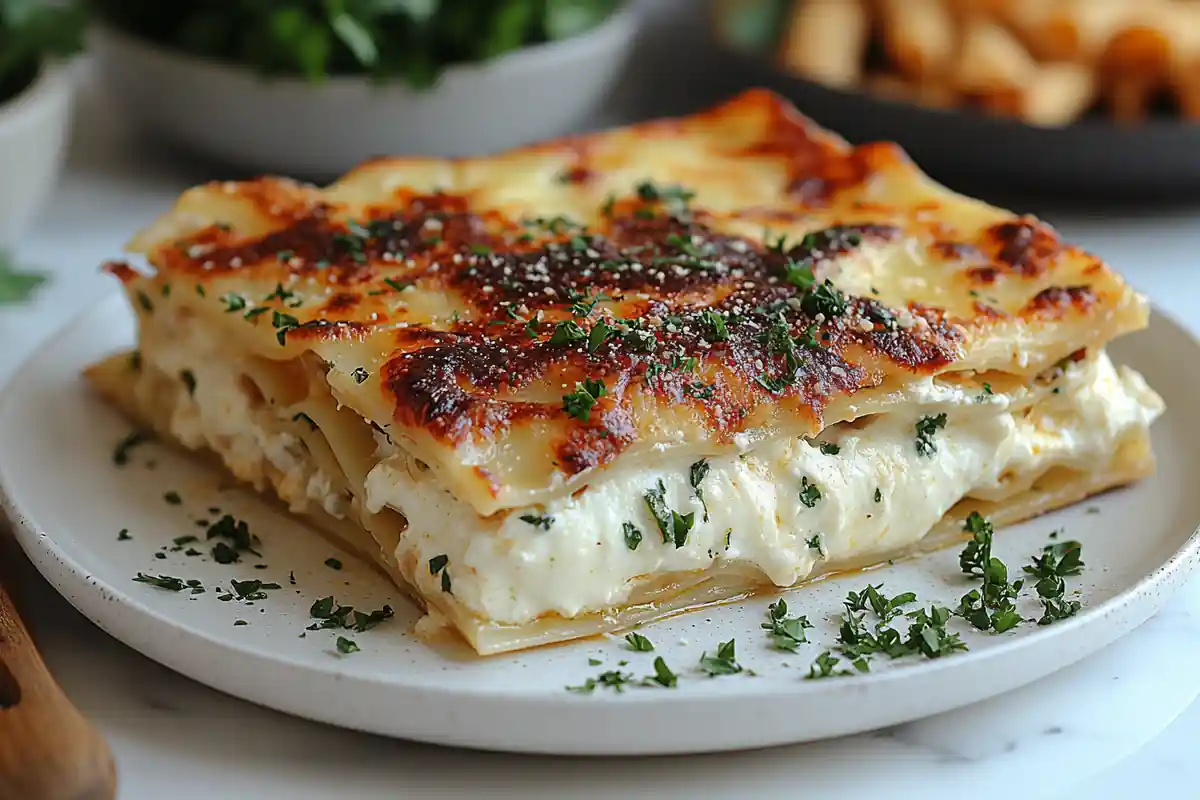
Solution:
(537, 721)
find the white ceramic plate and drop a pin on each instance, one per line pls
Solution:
(290, 126)
(69, 501)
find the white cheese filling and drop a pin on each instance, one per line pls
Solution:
(759, 513)
(216, 413)
(877, 495)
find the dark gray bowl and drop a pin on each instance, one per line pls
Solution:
(1154, 160)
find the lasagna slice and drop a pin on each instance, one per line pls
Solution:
(588, 383)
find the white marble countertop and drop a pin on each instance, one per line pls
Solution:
(1120, 724)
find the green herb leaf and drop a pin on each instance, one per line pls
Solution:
(538, 521)
(638, 642)
(723, 663)
(926, 428)
(171, 584)
(824, 666)
(663, 676)
(787, 633)
(696, 476)
(810, 493)
(346, 646)
(633, 536)
(579, 403)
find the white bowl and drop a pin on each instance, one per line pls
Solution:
(33, 136)
(287, 125)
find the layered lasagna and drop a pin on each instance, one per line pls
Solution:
(585, 384)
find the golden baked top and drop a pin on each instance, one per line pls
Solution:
(517, 321)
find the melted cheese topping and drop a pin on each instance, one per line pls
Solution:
(457, 303)
(877, 495)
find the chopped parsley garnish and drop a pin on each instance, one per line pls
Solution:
(233, 302)
(224, 554)
(723, 663)
(927, 633)
(566, 333)
(1057, 561)
(171, 584)
(322, 609)
(830, 449)
(237, 532)
(638, 642)
(787, 633)
(121, 453)
(333, 563)
(696, 475)
(399, 286)
(283, 323)
(584, 305)
(772, 385)
(252, 589)
(332, 615)
(346, 646)
(538, 521)
(180, 541)
(990, 607)
(878, 495)
(173, 498)
(716, 323)
(778, 339)
(123, 535)
(360, 375)
(810, 493)
(674, 196)
(633, 537)
(533, 325)
(663, 676)
(280, 294)
(365, 622)
(926, 428)
(238, 623)
(599, 334)
(146, 303)
(824, 666)
(579, 403)
(817, 298)
(612, 679)
(189, 380)
(816, 543)
(439, 564)
(673, 526)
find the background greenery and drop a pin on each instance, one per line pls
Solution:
(30, 31)
(409, 40)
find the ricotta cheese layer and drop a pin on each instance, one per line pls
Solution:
(864, 489)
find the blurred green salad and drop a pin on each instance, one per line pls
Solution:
(30, 32)
(408, 40)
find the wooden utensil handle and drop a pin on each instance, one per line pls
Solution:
(48, 751)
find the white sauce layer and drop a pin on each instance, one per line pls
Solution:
(218, 415)
(512, 571)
